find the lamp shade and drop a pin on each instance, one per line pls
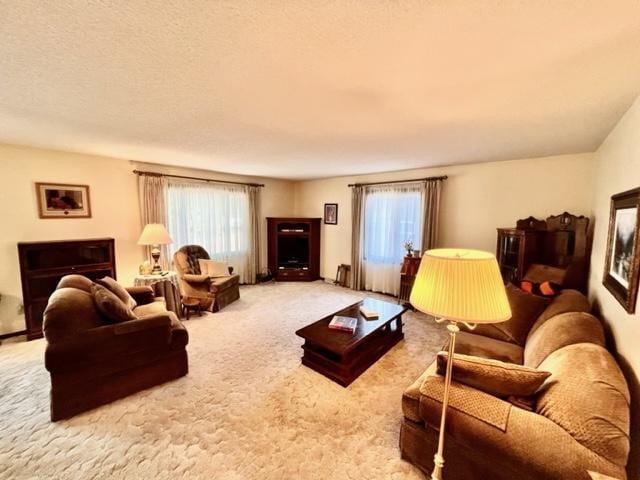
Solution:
(461, 285)
(154, 234)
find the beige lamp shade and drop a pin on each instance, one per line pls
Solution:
(461, 285)
(154, 234)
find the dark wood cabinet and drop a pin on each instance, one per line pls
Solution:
(557, 249)
(43, 264)
(294, 248)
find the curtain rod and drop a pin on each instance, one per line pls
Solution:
(398, 181)
(155, 174)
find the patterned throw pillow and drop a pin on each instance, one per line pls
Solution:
(110, 305)
(498, 378)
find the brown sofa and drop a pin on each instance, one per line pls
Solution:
(93, 361)
(579, 420)
(213, 293)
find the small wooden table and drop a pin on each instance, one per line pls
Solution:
(343, 356)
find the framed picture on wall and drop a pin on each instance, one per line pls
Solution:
(58, 200)
(622, 262)
(331, 213)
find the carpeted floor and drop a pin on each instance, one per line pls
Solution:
(248, 409)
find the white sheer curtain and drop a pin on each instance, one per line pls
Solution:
(214, 216)
(392, 215)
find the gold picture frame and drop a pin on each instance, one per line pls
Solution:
(63, 200)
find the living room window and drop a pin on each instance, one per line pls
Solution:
(216, 217)
(392, 215)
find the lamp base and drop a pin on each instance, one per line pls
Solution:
(155, 254)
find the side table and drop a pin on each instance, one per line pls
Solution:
(166, 286)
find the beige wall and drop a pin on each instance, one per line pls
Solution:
(476, 200)
(114, 203)
(617, 169)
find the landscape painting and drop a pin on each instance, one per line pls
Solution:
(622, 260)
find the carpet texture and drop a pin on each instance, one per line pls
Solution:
(248, 409)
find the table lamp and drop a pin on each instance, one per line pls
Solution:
(458, 286)
(155, 234)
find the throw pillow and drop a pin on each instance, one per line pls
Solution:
(120, 292)
(525, 309)
(213, 269)
(110, 305)
(497, 378)
(545, 289)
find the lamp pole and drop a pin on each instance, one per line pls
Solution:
(438, 458)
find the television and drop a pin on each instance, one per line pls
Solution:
(293, 252)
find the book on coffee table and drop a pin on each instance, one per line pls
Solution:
(344, 324)
(368, 313)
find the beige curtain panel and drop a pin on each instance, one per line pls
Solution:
(152, 190)
(432, 191)
(254, 232)
(357, 249)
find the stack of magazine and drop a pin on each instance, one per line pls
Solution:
(344, 324)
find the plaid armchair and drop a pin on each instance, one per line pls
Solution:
(213, 293)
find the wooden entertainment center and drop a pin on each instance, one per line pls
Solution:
(294, 248)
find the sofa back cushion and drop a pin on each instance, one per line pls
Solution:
(559, 331)
(187, 258)
(69, 311)
(525, 309)
(75, 281)
(567, 301)
(588, 396)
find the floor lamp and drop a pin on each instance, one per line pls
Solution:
(458, 286)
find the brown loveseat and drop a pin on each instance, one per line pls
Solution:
(93, 362)
(579, 419)
(213, 293)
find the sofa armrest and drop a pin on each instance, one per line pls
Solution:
(193, 278)
(102, 343)
(142, 294)
(529, 442)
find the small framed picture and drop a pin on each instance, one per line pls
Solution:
(622, 261)
(331, 213)
(57, 200)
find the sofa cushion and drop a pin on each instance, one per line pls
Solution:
(567, 301)
(75, 281)
(110, 305)
(485, 347)
(411, 396)
(560, 331)
(120, 292)
(68, 312)
(587, 396)
(493, 376)
(150, 308)
(525, 309)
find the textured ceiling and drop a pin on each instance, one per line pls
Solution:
(302, 88)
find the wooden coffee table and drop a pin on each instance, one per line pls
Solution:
(343, 356)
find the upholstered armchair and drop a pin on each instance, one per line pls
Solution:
(213, 293)
(93, 361)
